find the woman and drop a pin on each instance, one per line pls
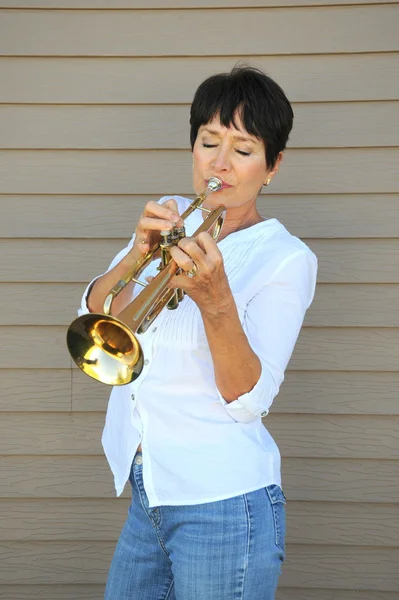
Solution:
(207, 518)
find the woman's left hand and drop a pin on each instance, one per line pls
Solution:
(209, 286)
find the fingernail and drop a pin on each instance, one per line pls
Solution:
(175, 218)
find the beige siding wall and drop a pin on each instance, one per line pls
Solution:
(93, 123)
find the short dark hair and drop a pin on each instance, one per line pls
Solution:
(260, 102)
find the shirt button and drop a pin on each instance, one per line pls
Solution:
(154, 330)
(264, 414)
(132, 396)
(146, 362)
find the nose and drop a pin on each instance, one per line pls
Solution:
(221, 161)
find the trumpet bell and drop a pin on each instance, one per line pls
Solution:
(105, 349)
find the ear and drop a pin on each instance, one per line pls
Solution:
(275, 169)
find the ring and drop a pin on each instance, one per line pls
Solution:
(192, 272)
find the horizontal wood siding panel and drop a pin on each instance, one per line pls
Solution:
(347, 349)
(341, 480)
(113, 216)
(58, 592)
(285, 593)
(320, 349)
(332, 393)
(48, 434)
(329, 436)
(351, 305)
(170, 32)
(41, 390)
(168, 4)
(34, 347)
(317, 78)
(334, 523)
(306, 566)
(317, 436)
(56, 520)
(53, 260)
(335, 305)
(303, 392)
(334, 216)
(56, 477)
(355, 261)
(55, 562)
(96, 592)
(130, 127)
(341, 523)
(39, 303)
(62, 261)
(122, 171)
(356, 568)
(323, 125)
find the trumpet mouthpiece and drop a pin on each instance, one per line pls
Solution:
(214, 184)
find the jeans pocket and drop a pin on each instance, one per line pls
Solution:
(277, 501)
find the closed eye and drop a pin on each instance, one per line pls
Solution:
(215, 146)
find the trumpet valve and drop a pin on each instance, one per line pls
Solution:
(166, 238)
(181, 232)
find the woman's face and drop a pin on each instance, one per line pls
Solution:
(235, 157)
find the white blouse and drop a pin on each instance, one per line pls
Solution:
(196, 446)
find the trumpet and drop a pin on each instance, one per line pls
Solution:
(107, 348)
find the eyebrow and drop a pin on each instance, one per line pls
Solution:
(239, 138)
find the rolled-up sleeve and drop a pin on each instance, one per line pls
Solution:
(272, 322)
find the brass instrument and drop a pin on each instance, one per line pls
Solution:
(105, 347)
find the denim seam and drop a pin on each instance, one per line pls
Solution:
(169, 589)
(161, 543)
(276, 526)
(246, 559)
(276, 521)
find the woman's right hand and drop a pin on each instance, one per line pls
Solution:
(154, 219)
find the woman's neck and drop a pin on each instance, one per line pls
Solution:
(233, 223)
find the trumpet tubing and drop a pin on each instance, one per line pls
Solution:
(105, 347)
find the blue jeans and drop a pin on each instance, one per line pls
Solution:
(227, 550)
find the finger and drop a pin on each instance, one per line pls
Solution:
(181, 282)
(168, 210)
(142, 240)
(182, 259)
(211, 251)
(154, 224)
(190, 247)
(141, 243)
(206, 242)
(171, 204)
